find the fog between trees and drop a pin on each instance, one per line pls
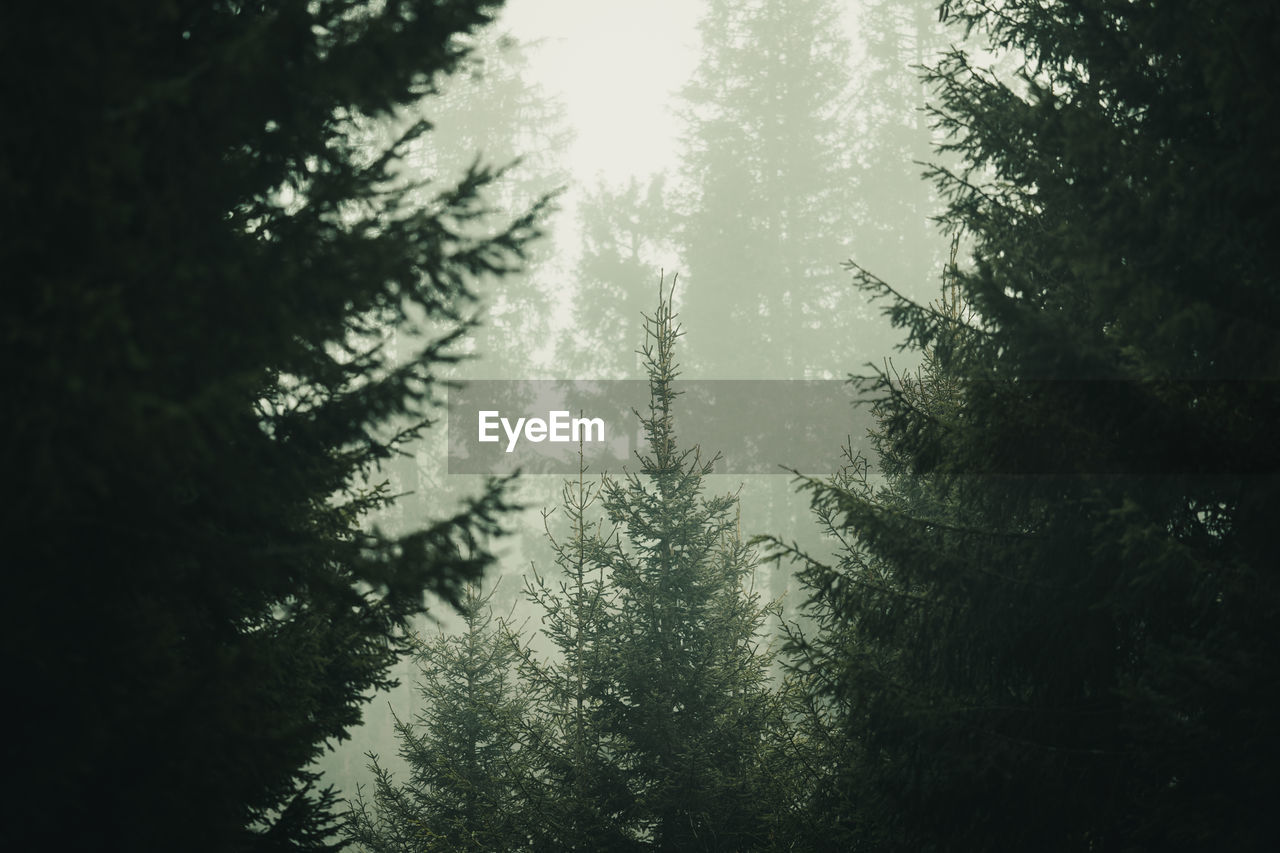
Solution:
(251, 244)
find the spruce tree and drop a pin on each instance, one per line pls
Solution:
(467, 766)
(851, 667)
(687, 698)
(655, 705)
(582, 799)
(1092, 664)
(204, 266)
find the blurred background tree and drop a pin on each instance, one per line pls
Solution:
(766, 199)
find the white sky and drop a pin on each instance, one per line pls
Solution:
(614, 64)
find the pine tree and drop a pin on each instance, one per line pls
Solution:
(655, 705)
(687, 697)
(851, 664)
(468, 769)
(204, 267)
(583, 797)
(1093, 665)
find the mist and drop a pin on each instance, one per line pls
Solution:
(718, 425)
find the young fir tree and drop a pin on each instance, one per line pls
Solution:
(686, 698)
(655, 707)
(582, 799)
(202, 268)
(467, 766)
(1098, 666)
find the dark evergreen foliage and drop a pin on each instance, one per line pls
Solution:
(582, 798)
(201, 270)
(1051, 629)
(650, 725)
(656, 706)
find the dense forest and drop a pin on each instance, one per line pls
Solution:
(254, 246)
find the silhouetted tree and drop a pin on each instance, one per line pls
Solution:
(846, 662)
(204, 266)
(1073, 649)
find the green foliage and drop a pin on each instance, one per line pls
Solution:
(582, 797)
(649, 725)
(1050, 628)
(852, 666)
(467, 768)
(687, 697)
(203, 266)
(656, 703)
